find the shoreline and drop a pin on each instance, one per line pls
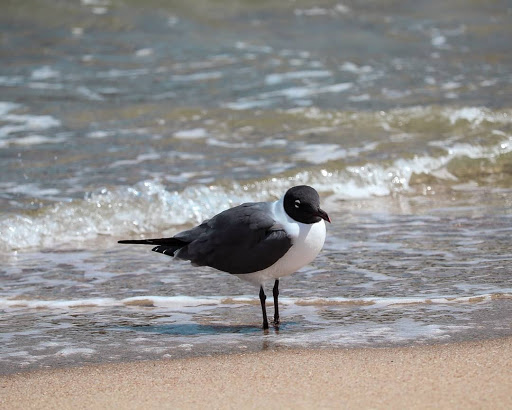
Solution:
(470, 374)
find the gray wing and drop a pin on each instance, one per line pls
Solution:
(242, 239)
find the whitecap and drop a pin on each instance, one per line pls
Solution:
(193, 133)
(6, 107)
(35, 140)
(277, 78)
(44, 73)
(18, 123)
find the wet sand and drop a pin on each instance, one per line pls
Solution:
(458, 375)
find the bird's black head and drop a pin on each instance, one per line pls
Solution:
(302, 204)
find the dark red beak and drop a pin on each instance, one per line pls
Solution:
(322, 214)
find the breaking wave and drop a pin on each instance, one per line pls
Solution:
(153, 206)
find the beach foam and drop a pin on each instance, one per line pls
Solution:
(181, 302)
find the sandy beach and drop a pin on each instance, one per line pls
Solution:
(458, 375)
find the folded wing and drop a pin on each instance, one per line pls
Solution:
(240, 240)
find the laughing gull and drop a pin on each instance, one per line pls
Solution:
(256, 241)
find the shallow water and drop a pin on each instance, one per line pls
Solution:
(119, 122)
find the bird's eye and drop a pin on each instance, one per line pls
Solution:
(297, 203)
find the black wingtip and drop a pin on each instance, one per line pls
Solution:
(137, 241)
(166, 242)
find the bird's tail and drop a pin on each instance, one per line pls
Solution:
(167, 246)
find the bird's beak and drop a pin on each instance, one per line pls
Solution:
(322, 214)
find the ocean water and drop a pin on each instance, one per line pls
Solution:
(122, 121)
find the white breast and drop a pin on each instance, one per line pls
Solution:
(307, 241)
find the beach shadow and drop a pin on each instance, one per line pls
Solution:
(192, 329)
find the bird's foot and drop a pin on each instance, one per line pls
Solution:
(276, 323)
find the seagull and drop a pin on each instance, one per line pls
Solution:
(256, 241)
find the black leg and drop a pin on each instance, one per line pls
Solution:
(275, 292)
(263, 298)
